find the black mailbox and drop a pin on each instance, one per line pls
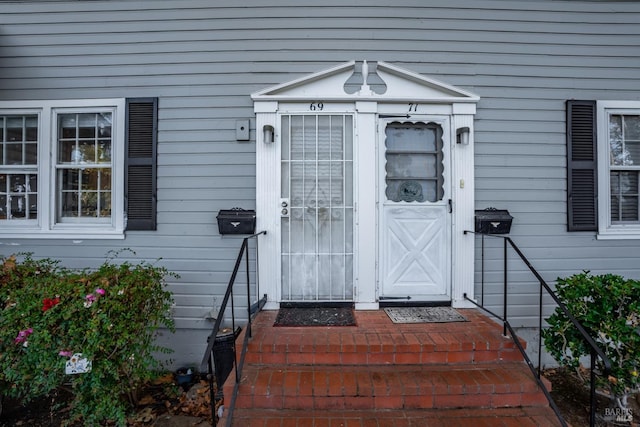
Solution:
(236, 221)
(493, 221)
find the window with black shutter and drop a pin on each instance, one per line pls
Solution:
(141, 142)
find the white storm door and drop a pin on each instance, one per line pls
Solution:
(317, 207)
(415, 205)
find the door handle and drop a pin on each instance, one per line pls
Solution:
(450, 206)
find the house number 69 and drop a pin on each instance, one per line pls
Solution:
(316, 106)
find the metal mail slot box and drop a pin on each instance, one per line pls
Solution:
(493, 221)
(236, 221)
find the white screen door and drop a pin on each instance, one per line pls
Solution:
(317, 207)
(415, 219)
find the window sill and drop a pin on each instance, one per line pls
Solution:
(619, 235)
(75, 235)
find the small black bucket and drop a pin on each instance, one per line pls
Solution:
(223, 356)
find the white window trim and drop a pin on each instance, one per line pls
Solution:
(606, 230)
(46, 225)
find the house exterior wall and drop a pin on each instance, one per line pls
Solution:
(203, 59)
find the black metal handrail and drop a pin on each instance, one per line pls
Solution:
(596, 351)
(208, 360)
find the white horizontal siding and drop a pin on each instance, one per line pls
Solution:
(203, 58)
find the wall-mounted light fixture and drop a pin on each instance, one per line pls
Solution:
(267, 131)
(462, 135)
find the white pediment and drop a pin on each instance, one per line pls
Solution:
(366, 81)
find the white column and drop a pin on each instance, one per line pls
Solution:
(464, 210)
(365, 178)
(267, 203)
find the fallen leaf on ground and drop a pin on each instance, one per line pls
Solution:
(146, 400)
(144, 416)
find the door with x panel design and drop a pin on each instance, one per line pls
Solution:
(415, 210)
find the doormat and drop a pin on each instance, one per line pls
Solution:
(315, 316)
(424, 315)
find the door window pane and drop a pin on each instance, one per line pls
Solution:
(414, 163)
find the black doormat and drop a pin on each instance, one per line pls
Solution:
(315, 316)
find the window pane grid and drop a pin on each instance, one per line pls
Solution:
(414, 162)
(624, 197)
(62, 165)
(19, 139)
(624, 155)
(18, 167)
(84, 165)
(85, 192)
(84, 138)
(18, 196)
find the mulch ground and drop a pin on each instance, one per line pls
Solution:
(157, 399)
(572, 396)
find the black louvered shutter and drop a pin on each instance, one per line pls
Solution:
(141, 139)
(582, 182)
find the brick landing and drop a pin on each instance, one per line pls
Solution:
(381, 374)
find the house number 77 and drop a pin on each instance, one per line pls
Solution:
(413, 108)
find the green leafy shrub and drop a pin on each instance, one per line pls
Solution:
(110, 315)
(608, 306)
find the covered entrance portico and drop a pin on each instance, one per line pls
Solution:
(365, 186)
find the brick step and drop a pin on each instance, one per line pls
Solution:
(381, 343)
(377, 356)
(506, 417)
(383, 374)
(324, 387)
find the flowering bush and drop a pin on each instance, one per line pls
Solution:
(52, 317)
(608, 306)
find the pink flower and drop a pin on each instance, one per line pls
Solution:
(89, 300)
(22, 336)
(65, 353)
(100, 291)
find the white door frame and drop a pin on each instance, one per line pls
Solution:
(405, 93)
